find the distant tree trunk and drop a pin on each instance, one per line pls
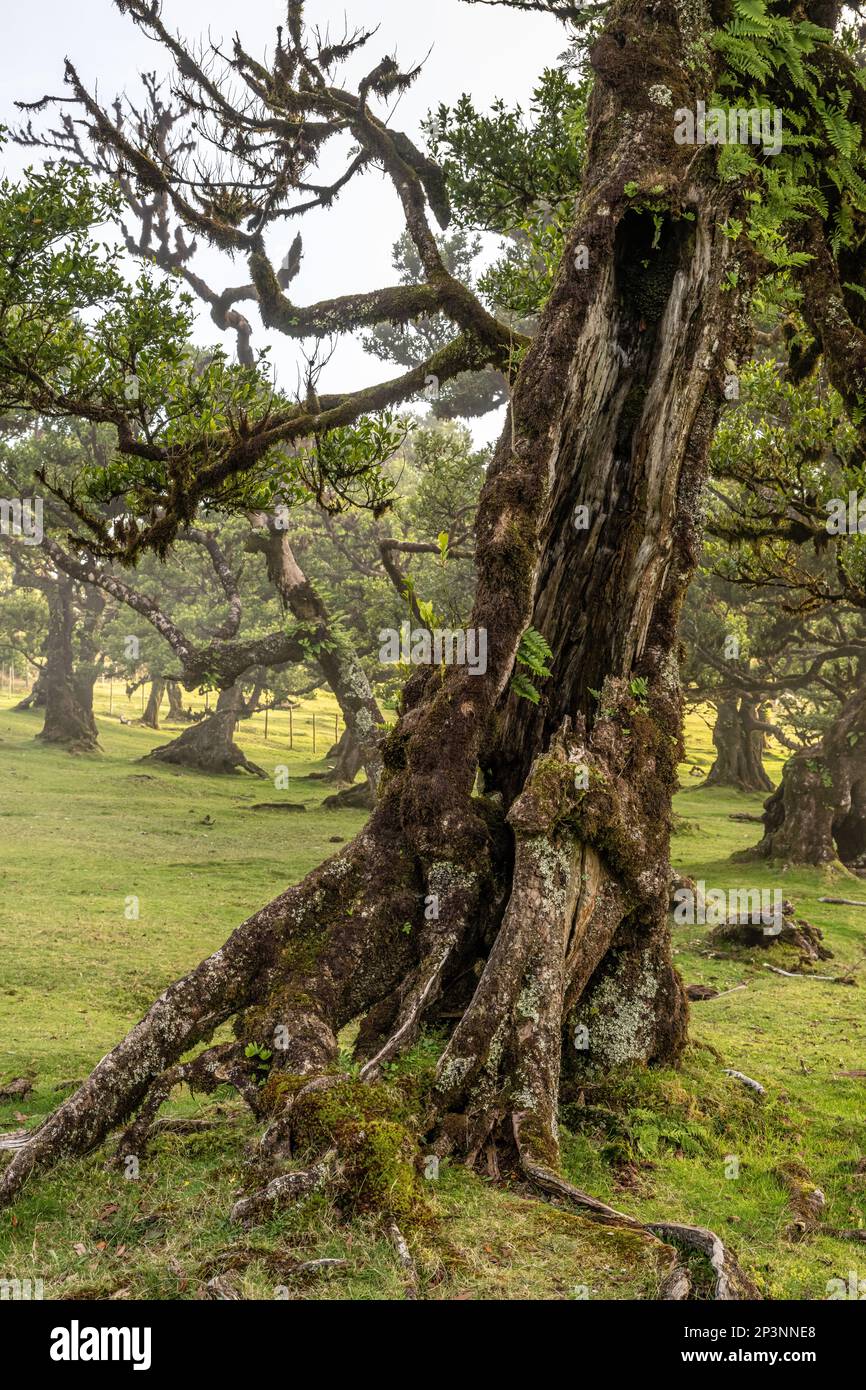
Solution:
(68, 695)
(150, 717)
(739, 744)
(89, 664)
(347, 763)
(358, 797)
(209, 745)
(352, 796)
(251, 705)
(35, 698)
(176, 712)
(817, 814)
(337, 661)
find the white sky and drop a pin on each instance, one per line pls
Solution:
(486, 51)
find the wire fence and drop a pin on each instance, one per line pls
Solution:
(292, 728)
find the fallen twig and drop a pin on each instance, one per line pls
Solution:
(746, 1080)
(404, 1255)
(724, 992)
(807, 975)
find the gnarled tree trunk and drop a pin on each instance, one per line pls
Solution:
(176, 712)
(35, 697)
(738, 739)
(347, 761)
(817, 814)
(337, 661)
(68, 693)
(150, 716)
(537, 914)
(209, 745)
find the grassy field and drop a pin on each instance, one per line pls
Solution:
(84, 838)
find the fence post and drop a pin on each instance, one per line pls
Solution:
(291, 730)
(314, 733)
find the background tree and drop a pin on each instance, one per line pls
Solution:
(781, 458)
(23, 630)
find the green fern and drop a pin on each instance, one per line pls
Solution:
(533, 653)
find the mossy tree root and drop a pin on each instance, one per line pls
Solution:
(729, 1280)
(222, 1065)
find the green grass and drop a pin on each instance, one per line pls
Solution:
(82, 835)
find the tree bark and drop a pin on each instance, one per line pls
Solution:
(346, 756)
(209, 746)
(739, 743)
(176, 712)
(817, 814)
(150, 717)
(68, 693)
(352, 796)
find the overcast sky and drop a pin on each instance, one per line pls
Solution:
(485, 51)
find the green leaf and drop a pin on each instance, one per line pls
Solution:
(523, 688)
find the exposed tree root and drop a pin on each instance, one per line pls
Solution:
(676, 1285)
(223, 763)
(730, 1280)
(297, 972)
(34, 699)
(846, 979)
(239, 1257)
(16, 1140)
(746, 1081)
(208, 745)
(355, 938)
(358, 797)
(218, 1066)
(288, 1187)
(184, 1015)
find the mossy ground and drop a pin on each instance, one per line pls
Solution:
(82, 835)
